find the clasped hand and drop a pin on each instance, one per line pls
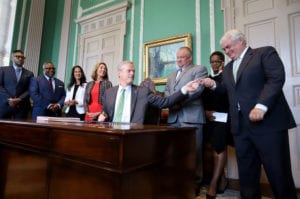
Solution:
(13, 102)
(192, 86)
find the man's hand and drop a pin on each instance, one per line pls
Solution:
(256, 115)
(192, 86)
(13, 102)
(208, 82)
(53, 107)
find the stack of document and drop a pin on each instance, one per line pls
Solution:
(43, 119)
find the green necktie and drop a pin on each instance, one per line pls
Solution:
(120, 107)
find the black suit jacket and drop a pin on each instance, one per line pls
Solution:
(11, 88)
(260, 79)
(141, 98)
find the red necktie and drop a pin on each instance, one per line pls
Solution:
(50, 84)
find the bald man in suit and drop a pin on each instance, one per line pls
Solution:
(47, 92)
(189, 112)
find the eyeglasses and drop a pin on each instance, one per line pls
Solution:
(52, 68)
(216, 62)
(19, 57)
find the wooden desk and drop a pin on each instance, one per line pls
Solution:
(89, 161)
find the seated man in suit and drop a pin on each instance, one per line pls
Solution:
(128, 102)
(47, 92)
(14, 85)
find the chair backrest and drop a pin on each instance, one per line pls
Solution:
(152, 115)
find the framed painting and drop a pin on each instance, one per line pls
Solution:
(160, 57)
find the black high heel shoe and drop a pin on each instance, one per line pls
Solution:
(222, 186)
(210, 197)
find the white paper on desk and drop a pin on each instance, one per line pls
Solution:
(220, 117)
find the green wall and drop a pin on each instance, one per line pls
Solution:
(17, 25)
(52, 27)
(161, 19)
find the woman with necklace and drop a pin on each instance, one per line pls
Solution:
(95, 90)
(75, 94)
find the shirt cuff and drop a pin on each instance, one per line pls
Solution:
(261, 107)
(183, 90)
(214, 86)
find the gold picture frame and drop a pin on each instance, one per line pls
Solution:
(160, 57)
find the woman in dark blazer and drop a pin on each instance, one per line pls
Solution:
(216, 133)
(94, 92)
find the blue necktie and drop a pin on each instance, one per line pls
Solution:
(18, 73)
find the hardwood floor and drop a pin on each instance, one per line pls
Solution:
(229, 194)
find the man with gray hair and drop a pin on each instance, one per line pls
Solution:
(260, 116)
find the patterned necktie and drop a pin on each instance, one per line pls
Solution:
(50, 84)
(235, 68)
(178, 73)
(120, 107)
(18, 73)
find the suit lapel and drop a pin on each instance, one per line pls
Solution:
(230, 69)
(182, 74)
(113, 101)
(134, 92)
(46, 83)
(12, 73)
(244, 63)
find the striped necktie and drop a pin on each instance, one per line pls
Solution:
(50, 84)
(178, 73)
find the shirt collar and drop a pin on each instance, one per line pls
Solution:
(16, 67)
(243, 53)
(126, 88)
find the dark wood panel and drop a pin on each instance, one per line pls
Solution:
(24, 174)
(84, 160)
(102, 148)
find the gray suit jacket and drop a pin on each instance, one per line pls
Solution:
(141, 98)
(190, 110)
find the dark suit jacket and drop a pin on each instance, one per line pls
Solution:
(42, 96)
(141, 98)
(11, 88)
(260, 79)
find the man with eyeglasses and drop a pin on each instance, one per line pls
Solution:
(47, 92)
(14, 86)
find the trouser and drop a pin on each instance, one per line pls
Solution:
(270, 149)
